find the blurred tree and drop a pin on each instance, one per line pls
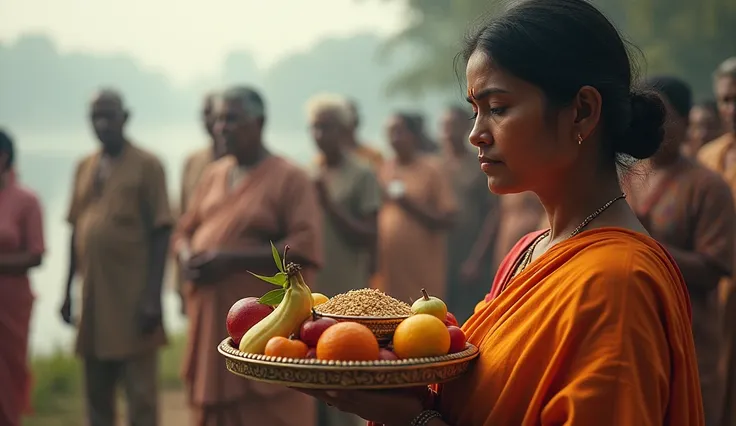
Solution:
(688, 38)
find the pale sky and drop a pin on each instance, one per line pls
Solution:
(189, 38)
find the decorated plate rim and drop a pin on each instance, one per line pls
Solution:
(470, 353)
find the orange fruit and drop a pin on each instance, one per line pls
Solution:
(347, 341)
(283, 347)
(421, 335)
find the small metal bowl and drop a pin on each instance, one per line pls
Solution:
(382, 327)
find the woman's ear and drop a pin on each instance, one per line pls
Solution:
(587, 104)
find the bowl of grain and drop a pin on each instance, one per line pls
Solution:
(376, 310)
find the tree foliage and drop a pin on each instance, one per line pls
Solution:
(688, 38)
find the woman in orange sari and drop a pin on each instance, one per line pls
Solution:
(590, 323)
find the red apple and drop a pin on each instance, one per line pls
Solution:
(386, 355)
(311, 353)
(244, 314)
(313, 328)
(451, 320)
(457, 339)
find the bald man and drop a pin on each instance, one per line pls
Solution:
(121, 223)
(194, 165)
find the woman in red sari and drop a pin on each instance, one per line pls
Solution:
(21, 248)
(589, 321)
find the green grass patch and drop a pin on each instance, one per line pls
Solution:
(58, 387)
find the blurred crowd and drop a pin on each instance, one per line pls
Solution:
(420, 217)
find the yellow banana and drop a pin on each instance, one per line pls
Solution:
(293, 310)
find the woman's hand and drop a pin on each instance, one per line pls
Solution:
(391, 408)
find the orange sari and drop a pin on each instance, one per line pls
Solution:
(594, 332)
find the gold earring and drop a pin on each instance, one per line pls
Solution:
(580, 139)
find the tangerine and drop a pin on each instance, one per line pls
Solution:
(347, 341)
(286, 348)
(421, 335)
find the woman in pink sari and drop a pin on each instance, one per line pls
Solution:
(21, 248)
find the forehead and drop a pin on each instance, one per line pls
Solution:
(725, 86)
(105, 104)
(482, 73)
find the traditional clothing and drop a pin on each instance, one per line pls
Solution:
(194, 166)
(595, 331)
(353, 186)
(412, 256)
(690, 208)
(470, 187)
(116, 206)
(21, 230)
(719, 157)
(274, 201)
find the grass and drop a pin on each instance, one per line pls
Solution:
(57, 384)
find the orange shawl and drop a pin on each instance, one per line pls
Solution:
(594, 332)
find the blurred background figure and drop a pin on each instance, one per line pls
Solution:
(21, 248)
(194, 166)
(704, 126)
(688, 208)
(475, 202)
(360, 148)
(121, 222)
(350, 199)
(419, 210)
(244, 201)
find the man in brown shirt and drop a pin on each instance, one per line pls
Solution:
(121, 222)
(194, 166)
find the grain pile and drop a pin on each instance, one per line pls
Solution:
(366, 302)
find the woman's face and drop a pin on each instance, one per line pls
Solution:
(524, 145)
(402, 140)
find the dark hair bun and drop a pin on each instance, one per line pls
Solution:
(645, 133)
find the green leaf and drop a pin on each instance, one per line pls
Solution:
(279, 279)
(273, 297)
(277, 258)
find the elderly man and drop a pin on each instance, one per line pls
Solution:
(121, 223)
(243, 201)
(720, 155)
(194, 166)
(350, 198)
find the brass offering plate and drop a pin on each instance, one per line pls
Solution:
(318, 374)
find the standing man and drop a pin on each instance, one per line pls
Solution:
(244, 200)
(350, 198)
(471, 191)
(720, 155)
(353, 142)
(121, 222)
(194, 166)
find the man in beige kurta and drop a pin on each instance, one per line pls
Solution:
(121, 217)
(244, 200)
(194, 166)
(720, 156)
(350, 198)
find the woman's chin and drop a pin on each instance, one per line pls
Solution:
(500, 186)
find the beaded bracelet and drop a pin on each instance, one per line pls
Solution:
(424, 417)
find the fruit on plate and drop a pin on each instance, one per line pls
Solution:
(421, 335)
(313, 328)
(294, 300)
(430, 305)
(348, 341)
(451, 320)
(387, 355)
(287, 348)
(457, 339)
(244, 314)
(319, 298)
